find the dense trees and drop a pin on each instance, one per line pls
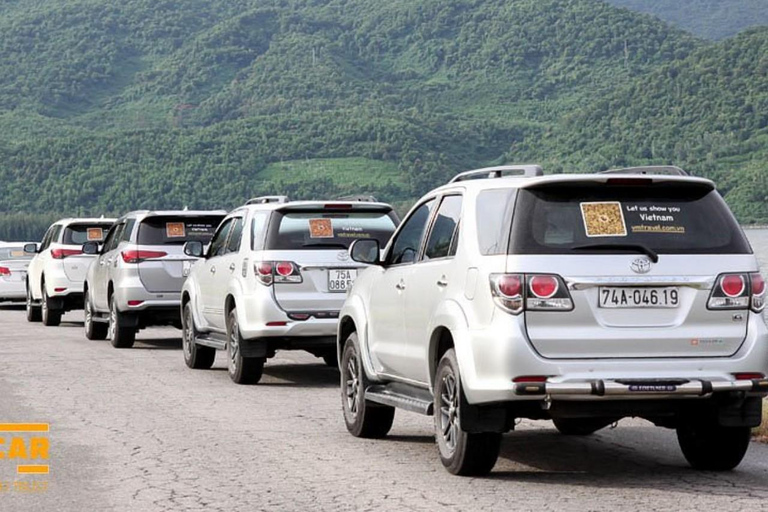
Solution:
(106, 107)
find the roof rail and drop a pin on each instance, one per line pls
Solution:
(527, 171)
(649, 169)
(357, 198)
(267, 199)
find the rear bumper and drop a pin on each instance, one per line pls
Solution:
(259, 316)
(266, 347)
(13, 290)
(639, 388)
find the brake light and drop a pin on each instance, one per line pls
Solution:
(341, 206)
(748, 376)
(515, 293)
(134, 303)
(268, 272)
(60, 254)
(133, 256)
(758, 292)
(531, 378)
(5, 271)
(730, 292)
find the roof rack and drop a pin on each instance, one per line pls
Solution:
(267, 200)
(670, 170)
(527, 171)
(357, 198)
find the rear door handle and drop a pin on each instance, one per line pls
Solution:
(400, 286)
(442, 283)
(213, 270)
(232, 267)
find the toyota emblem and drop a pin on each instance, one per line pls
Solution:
(641, 266)
(342, 256)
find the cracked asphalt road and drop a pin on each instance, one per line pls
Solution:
(136, 430)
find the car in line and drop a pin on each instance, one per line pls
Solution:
(581, 299)
(274, 278)
(56, 273)
(136, 275)
(13, 271)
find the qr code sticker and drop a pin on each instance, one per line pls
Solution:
(603, 219)
(175, 230)
(320, 228)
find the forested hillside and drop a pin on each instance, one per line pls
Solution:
(709, 19)
(106, 107)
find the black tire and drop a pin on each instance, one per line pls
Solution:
(331, 359)
(713, 448)
(363, 418)
(196, 356)
(242, 370)
(93, 330)
(51, 317)
(33, 310)
(120, 335)
(462, 453)
(580, 426)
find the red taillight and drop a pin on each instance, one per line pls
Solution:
(133, 256)
(277, 324)
(733, 285)
(510, 285)
(59, 290)
(758, 284)
(339, 206)
(531, 378)
(5, 271)
(748, 376)
(544, 287)
(284, 268)
(263, 271)
(60, 254)
(135, 302)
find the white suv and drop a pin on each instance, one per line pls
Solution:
(274, 277)
(57, 271)
(582, 299)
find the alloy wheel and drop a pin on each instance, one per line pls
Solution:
(188, 334)
(449, 411)
(352, 385)
(234, 345)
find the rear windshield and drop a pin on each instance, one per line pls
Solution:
(14, 253)
(78, 234)
(323, 229)
(668, 218)
(167, 230)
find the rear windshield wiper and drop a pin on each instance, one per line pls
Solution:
(326, 244)
(620, 247)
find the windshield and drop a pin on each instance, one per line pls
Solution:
(176, 230)
(78, 234)
(590, 218)
(14, 253)
(329, 230)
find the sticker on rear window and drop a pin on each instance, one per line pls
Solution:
(175, 230)
(603, 219)
(95, 234)
(664, 219)
(320, 228)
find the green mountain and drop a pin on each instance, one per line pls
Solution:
(709, 19)
(107, 107)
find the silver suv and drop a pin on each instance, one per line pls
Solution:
(274, 277)
(135, 280)
(582, 299)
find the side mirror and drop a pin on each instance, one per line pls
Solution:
(365, 251)
(194, 248)
(31, 248)
(91, 248)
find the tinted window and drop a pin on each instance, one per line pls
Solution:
(324, 229)
(493, 213)
(406, 245)
(443, 228)
(176, 230)
(217, 247)
(14, 253)
(78, 234)
(109, 241)
(258, 224)
(125, 236)
(237, 234)
(669, 218)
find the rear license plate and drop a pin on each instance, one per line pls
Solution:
(622, 297)
(340, 280)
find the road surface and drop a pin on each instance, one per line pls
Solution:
(136, 430)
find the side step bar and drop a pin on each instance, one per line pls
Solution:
(402, 396)
(211, 340)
